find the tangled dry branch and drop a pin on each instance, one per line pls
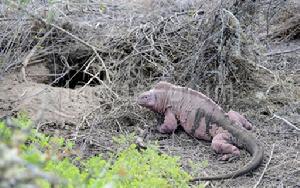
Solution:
(126, 46)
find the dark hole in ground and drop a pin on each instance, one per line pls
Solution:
(77, 78)
(265, 113)
(75, 70)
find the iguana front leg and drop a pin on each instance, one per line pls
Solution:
(170, 122)
(222, 144)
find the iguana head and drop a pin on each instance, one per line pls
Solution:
(155, 99)
(147, 99)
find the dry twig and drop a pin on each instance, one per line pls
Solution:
(286, 121)
(32, 52)
(282, 52)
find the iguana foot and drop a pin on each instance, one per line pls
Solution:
(228, 157)
(166, 128)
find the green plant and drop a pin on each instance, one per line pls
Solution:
(126, 168)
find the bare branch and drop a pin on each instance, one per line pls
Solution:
(286, 121)
(32, 52)
(15, 5)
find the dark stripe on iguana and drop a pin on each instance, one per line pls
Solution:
(199, 114)
(208, 122)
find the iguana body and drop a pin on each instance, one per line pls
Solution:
(204, 119)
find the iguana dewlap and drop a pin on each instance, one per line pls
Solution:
(204, 119)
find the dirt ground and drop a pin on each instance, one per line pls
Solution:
(91, 117)
(63, 111)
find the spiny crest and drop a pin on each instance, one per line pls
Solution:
(163, 85)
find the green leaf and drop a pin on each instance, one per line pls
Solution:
(102, 8)
(5, 133)
(51, 16)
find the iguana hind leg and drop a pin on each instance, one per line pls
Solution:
(222, 144)
(239, 119)
(170, 122)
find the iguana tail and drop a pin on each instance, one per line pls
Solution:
(249, 142)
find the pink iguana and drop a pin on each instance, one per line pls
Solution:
(204, 119)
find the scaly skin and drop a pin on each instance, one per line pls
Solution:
(204, 119)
